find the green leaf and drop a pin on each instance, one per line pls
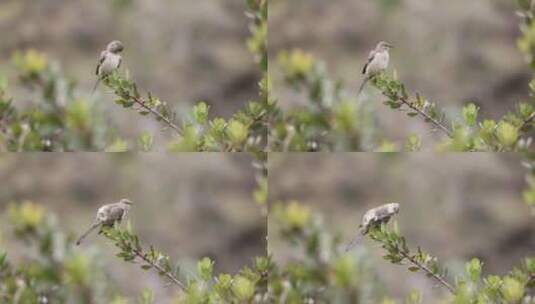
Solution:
(413, 143)
(237, 132)
(205, 268)
(512, 290)
(243, 288)
(473, 269)
(119, 145)
(470, 112)
(507, 133)
(200, 113)
(145, 141)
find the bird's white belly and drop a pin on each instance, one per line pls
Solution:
(109, 64)
(379, 63)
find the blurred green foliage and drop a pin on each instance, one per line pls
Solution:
(245, 131)
(54, 272)
(248, 286)
(50, 270)
(58, 119)
(333, 120)
(61, 118)
(322, 272)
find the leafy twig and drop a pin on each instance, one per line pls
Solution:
(426, 116)
(171, 277)
(428, 271)
(131, 249)
(159, 115)
(129, 95)
(398, 251)
(395, 91)
(527, 121)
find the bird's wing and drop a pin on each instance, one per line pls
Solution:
(116, 213)
(120, 61)
(100, 61)
(383, 213)
(370, 58)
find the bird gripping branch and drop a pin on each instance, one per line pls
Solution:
(108, 215)
(109, 61)
(377, 62)
(373, 218)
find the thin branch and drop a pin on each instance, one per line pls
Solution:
(131, 248)
(160, 116)
(422, 113)
(171, 277)
(398, 251)
(429, 272)
(527, 121)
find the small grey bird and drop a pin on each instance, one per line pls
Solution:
(108, 215)
(373, 218)
(377, 62)
(110, 60)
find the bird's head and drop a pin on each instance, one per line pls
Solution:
(384, 46)
(393, 208)
(126, 202)
(115, 46)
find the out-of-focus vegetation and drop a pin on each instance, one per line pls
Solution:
(194, 211)
(323, 273)
(62, 116)
(463, 233)
(322, 113)
(60, 121)
(305, 109)
(57, 273)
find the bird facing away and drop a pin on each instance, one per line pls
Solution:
(374, 218)
(108, 215)
(377, 62)
(110, 60)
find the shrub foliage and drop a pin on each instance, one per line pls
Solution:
(62, 117)
(335, 118)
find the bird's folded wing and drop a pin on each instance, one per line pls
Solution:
(370, 58)
(117, 213)
(100, 61)
(382, 213)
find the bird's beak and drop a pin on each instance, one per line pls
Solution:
(390, 46)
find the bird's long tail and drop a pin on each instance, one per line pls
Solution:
(95, 87)
(353, 242)
(93, 227)
(362, 85)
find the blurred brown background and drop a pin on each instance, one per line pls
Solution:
(452, 52)
(183, 51)
(455, 206)
(186, 205)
